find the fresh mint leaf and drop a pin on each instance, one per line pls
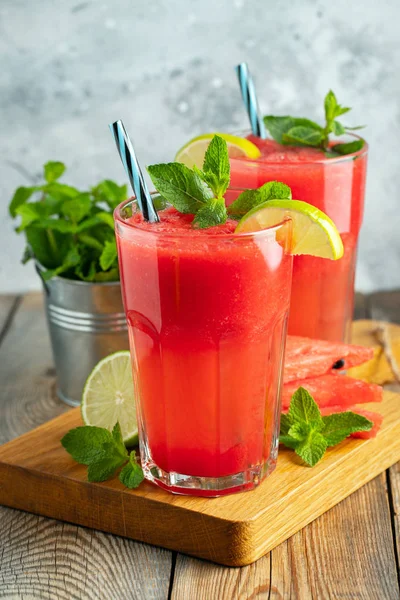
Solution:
(53, 170)
(105, 468)
(132, 474)
(286, 423)
(108, 255)
(180, 186)
(300, 431)
(303, 408)
(272, 190)
(77, 207)
(302, 135)
(70, 261)
(278, 126)
(110, 192)
(106, 218)
(29, 213)
(48, 247)
(288, 441)
(339, 426)
(312, 449)
(60, 191)
(111, 275)
(348, 148)
(91, 242)
(338, 128)
(298, 131)
(87, 444)
(216, 168)
(211, 214)
(21, 195)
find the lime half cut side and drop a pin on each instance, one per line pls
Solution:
(108, 396)
(193, 152)
(313, 232)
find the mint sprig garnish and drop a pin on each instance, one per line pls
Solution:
(103, 452)
(304, 132)
(309, 434)
(198, 192)
(68, 231)
(249, 199)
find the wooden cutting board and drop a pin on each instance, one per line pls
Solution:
(37, 475)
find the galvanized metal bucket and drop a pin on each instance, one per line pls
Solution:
(86, 323)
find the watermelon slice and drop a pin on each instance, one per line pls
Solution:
(306, 358)
(376, 418)
(334, 390)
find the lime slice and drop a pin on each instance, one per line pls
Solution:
(313, 232)
(108, 396)
(193, 152)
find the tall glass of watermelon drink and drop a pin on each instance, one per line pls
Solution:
(322, 291)
(207, 313)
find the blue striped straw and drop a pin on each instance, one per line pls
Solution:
(250, 99)
(132, 168)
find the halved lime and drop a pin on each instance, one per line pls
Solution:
(193, 152)
(108, 396)
(313, 232)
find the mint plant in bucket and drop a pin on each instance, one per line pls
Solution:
(70, 236)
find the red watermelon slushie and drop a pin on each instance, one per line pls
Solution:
(322, 291)
(207, 313)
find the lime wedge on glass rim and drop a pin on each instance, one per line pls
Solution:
(313, 232)
(193, 152)
(108, 396)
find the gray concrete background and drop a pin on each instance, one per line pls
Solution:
(68, 68)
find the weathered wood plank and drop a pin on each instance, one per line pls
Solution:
(360, 306)
(385, 306)
(43, 558)
(199, 580)
(346, 553)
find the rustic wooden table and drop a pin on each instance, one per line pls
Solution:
(352, 551)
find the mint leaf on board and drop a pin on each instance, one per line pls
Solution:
(211, 214)
(132, 474)
(303, 132)
(104, 469)
(305, 431)
(86, 444)
(312, 448)
(304, 409)
(339, 426)
(180, 186)
(272, 190)
(109, 255)
(216, 167)
(53, 170)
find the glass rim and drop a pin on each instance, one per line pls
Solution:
(118, 219)
(323, 160)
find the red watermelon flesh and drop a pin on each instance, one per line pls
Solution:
(334, 390)
(306, 358)
(376, 418)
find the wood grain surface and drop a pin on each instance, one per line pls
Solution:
(42, 558)
(288, 572)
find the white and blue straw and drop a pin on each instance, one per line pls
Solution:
(135, 175)
(250, 99)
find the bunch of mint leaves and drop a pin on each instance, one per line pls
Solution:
(69, 232)
(297, 131)
(201, 192)
(305, 431)
(103, 452)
